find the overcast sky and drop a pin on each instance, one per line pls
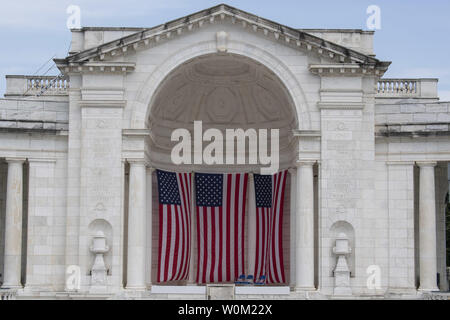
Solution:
(414, 35)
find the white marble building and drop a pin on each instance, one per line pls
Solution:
(367, 158)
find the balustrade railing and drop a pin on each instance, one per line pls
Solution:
(21, 85)
(406, 88)
(47, 84)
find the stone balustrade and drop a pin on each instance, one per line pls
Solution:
(407, 88)
(20, 85)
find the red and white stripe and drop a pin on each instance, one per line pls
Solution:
(269, 240)
(174, 234)
(220, 234)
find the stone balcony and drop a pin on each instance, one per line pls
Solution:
(36, 86)
(407, 89)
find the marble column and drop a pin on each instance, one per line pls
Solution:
(305, 227)
(293, 203)
(251, 251)
(13, 224)
(427, 227)
(137, 226)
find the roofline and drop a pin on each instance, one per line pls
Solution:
(107, 29)
(295, 34)
(91, 28)
(337, 30)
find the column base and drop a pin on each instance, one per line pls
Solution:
(302, 289)
(428, 289)
(37, 288)
(11, 286)
(136, 288)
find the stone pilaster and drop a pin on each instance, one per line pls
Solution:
(427, 227)
(347, 173)
(137, 226)
(40, 224)
(401, 225)
(101, 183)
(13, 224)
(305, 227)
(73, 173)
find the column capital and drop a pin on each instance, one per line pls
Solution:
(41, 160)
(138, 161)
(400, 163)
(305, 163)
(15, 160)
(424, 164)
(293, 170)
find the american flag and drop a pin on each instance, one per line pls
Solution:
(269, 194)
(221, 200)
(174, 225)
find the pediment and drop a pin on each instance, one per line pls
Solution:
(149, 37)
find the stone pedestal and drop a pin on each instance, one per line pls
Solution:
(342, 272)
(99, 271)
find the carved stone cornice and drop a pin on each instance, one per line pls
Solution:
(306, 133)
(350, 69)
(136, 132)
(102, 103)
(340, 105)
(94, 67)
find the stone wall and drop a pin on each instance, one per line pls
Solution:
(3, 176)
(409, 117)
(33, 115)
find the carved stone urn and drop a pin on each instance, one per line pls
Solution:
(342, 271)
(99, 271)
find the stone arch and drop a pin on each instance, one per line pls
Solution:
(140, 110)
